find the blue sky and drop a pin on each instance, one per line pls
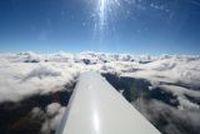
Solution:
(136, 26)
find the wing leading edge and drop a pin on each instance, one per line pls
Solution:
(97, 108)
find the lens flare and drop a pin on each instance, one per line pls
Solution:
(105, 12)
(103, 5)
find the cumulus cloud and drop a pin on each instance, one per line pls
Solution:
(55, 122)
(54, 113)
(180, 92)
(20, 78)
(53, 109)
(169, 119)
(38, 113)
(42, 72)
(173, 69)
(27, 74)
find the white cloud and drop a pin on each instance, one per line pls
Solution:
(53, 109)
(26, 74)
(168, 118)
(54, 116)
(180, 92)
(42, 72)
(55, 122)
(173, 69)
(19, 78)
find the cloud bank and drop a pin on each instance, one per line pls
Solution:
(27, 74)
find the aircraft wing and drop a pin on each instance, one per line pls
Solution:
(97, 108)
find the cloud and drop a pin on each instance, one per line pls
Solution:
(169, 119)
(180, 92)
(38, 113)
(20, 79)
(55, 122)
(53, 109)
(41, 72)
(27, 74)
(172, 69)
(54, 116)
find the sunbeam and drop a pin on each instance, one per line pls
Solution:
(104, 11)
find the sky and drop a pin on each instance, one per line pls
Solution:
(115, 26)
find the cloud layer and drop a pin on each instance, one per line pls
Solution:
(27, 74)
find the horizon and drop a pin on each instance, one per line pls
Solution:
(99, 53)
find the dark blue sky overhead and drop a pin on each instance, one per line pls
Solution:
(132, 26)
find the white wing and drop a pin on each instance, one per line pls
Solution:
(97, 108)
